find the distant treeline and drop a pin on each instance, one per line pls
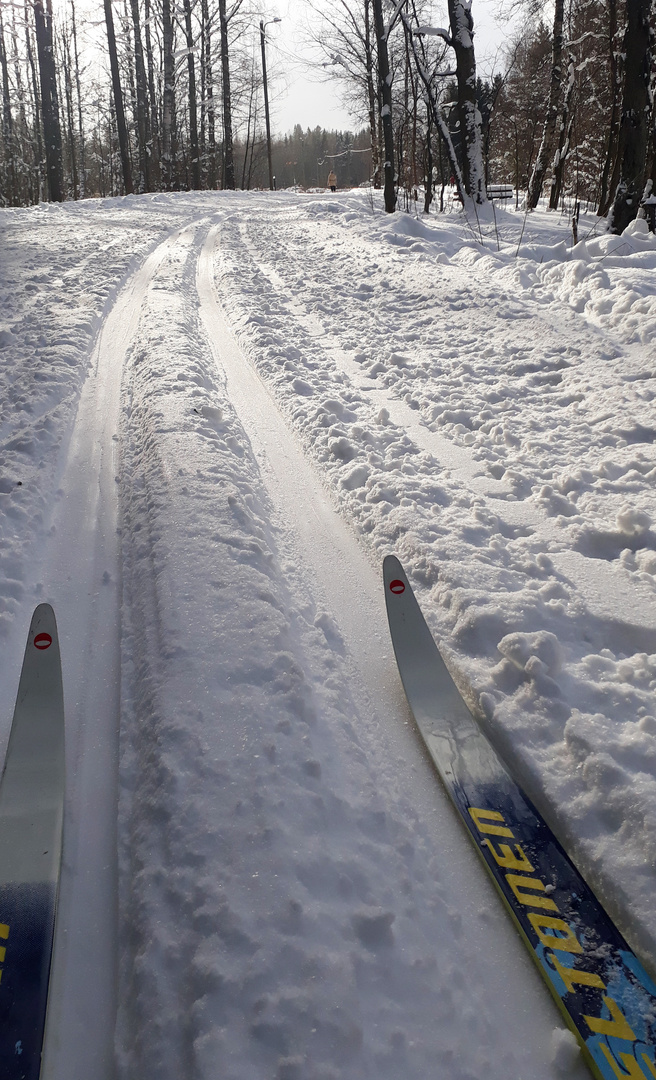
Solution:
(175, 98)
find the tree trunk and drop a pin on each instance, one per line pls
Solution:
(428, 164)
(38, 141)
(193, 114)
(209, 96)
(168, 99)
(438, 118)
(10, 193)
(228, 154)
(68, 94)
(121, 127)
(142, 100)
(153, 140)
(634, 122)
(564, 141)
(540, 167)
(385, 84)
(462, 40)
(371, 95)
(611, 146)
(76, 57)
(49, 100)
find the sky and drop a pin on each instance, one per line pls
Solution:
(298, 97)
(298, 93)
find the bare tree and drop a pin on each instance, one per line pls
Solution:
(207, 96)
(168, 99)
(193, 114)
(121, 126)
(143, 133)
(7, 123)
(564, 139)
(228, 152)
(342, 36)
(49, 100)
(607, 186)
(541, 162)
(385, 92)
(635, 119)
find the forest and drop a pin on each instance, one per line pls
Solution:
(144, 95)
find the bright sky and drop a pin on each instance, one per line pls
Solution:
(298, 98)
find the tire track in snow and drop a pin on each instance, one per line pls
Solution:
(342, 579)
(80, 576)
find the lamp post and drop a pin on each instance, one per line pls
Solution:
(266, 94)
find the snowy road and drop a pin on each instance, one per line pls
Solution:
(293, 896)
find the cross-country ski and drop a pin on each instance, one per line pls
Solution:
(607, 997)
(31, 814)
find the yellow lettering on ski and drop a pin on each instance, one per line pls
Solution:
(509, 860)
(485, 826)
(519, 884)
(633, 1070)
(567, 943)
(618, 1027)
(650, 1065)
(570, 976)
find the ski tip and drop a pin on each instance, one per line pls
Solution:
(43, 627)
(394, 576)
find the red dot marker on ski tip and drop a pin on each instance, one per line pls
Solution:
(42, 641)
(397, 586)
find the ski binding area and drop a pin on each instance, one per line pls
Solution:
(31, 814)
(606, 995)
(219, 412)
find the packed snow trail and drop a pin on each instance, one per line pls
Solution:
(296, 899)
(80, 574)
(293, 881)
(522, 494)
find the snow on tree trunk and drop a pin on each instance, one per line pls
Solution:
(542, 160)
(634, 123)
(462, 40)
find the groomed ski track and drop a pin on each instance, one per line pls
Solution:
(478, 1002)
(80, 575)
(83, 571)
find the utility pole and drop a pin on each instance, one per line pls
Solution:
(263, 24)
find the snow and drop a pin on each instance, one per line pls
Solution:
(218, 413)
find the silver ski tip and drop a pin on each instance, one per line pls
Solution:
(394, 576)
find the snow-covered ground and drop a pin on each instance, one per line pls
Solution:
(217, 413)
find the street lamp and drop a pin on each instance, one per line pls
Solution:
(266, 94)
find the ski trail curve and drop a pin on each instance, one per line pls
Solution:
(329, 559)
(80, 576)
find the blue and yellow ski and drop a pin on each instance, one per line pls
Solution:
(604, 993)
(31, 813)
